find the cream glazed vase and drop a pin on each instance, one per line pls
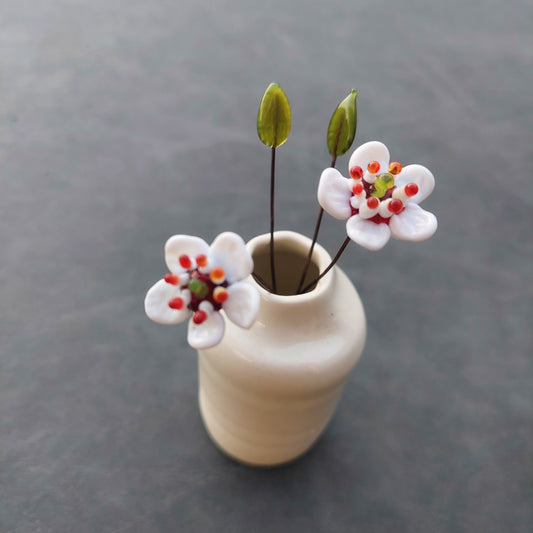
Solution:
(267, 393)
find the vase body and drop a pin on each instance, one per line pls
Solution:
(267, 393)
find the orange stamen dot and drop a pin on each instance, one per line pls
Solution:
(217, 275)
(395, 168)
(357, 188)
(199, 316)
(395, 206)
(374, 167)
(185, 261)
(171, 278)
(411, 189)
(220, 295)
(372, 202)
(176, 303)
(201, 260)
(356, 172)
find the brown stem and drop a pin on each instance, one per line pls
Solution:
(272, 265)
(260, 281)
(330, 266)
(317, 227)
(310, 254)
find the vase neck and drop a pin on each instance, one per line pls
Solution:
(290, 252)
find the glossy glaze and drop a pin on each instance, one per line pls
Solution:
(266, 394)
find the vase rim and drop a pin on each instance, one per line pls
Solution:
(298, 242)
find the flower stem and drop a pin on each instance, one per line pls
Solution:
(310, 254)
(272, 174)
(330, 266)
(260, 281)
(315, 234)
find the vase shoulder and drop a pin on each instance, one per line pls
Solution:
(303, 341)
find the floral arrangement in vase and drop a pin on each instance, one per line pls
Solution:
(378, 199)
(271, 375)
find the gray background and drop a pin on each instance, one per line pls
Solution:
(122, 123)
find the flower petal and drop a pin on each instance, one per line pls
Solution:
(421, 176)
(229, 251)
(370, 151)
(367, 233)
(334, 194)
(413, 224)
(183, 244)
(242, 304)
(156, 303)
(208, 333)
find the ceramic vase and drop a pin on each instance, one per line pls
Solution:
(266, 394)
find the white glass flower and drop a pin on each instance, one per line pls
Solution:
(379, 200)
(204, 280)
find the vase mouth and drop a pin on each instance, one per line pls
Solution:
(290, 252)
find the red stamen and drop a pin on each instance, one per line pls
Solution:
(357, 188)
(411, 189)
(372, 202)
(176, 303)
(356, 172)
(220, 295)
(374, 167)
(201, 260)
(395, 206)
(395, 168)
(185, 261)
(171, 278)
(217, 274)
(199, 316)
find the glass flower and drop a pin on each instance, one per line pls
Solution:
(380, 199)
(204, 280)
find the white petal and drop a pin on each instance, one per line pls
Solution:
(334, 194)
(242, 304)
(208, 333)
(156, 303)
(183, 244)
(367, 233)
(413, 224)
(370, 151)
(419, 175)
(229, 251)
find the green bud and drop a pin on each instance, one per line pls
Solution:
(343, 125)
(274, 116)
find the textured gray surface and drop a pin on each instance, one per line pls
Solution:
(122, 123)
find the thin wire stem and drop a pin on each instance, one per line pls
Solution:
(272, 174)
(317, 229)
(310, 254)
(260, 281)
(330, 266)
